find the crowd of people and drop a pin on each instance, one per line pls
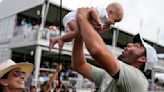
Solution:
(53, 78)
(122, 74)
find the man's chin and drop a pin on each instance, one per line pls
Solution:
(120, 57)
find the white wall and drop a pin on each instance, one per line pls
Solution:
(5, 52)
(7, 25)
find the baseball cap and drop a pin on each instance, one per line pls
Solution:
(151, 53)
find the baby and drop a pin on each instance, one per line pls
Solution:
(101, 19)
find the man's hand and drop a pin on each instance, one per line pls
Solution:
(83, 13)
(98, 28)
(103, 29)
(95, 19)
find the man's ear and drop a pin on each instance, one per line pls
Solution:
(142, 59)
(3, 82)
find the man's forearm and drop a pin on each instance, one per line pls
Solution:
(91, 38)
(78, 55)
(95, 45)
(79, 61)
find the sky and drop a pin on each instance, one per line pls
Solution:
(140, 16)
(146, 17)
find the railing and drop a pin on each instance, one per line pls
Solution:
(5, 38)
(32, 33)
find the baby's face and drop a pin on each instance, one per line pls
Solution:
(114, 16)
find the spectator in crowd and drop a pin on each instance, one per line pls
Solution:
(24, 22)
(115, 75)
(52, 32)
(29, 82)
(48, 85)
(101, 19)
(13, 75)
(32, 89)
(43, 77)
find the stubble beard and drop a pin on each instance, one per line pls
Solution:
(121, 58)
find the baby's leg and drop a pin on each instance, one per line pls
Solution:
(73, 27)
(53, 41)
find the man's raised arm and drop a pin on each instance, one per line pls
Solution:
(95, 44)
(78, 61)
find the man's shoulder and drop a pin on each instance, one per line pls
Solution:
(131, 71)
(132, 77)
(125, 65)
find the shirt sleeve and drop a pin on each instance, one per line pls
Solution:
(131, 79)
(98, 75)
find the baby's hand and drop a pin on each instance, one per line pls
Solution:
(99, 26)
(104, 28)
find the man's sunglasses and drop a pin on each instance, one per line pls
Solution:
(19, 74)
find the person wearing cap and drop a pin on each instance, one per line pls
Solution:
(13, 75)
(115, 75)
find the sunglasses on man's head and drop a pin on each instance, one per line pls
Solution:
(19, 73)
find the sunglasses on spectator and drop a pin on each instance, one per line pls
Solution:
(19, 74)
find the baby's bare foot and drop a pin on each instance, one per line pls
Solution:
(53, 41)
(60, 44)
